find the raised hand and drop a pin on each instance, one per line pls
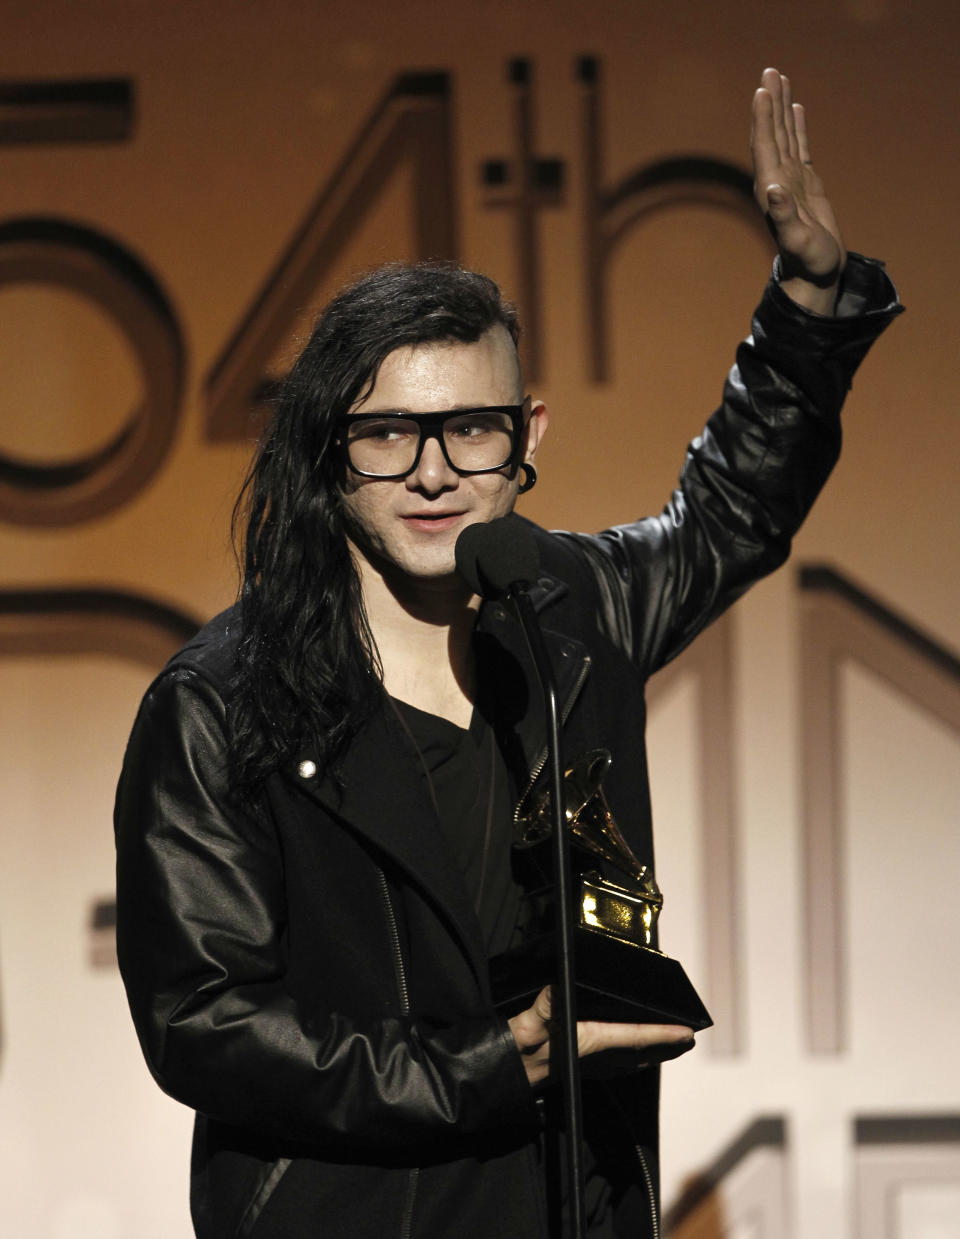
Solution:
(791, 195)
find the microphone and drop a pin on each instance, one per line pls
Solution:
(496, 555)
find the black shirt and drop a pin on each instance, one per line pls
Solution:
(471, 790)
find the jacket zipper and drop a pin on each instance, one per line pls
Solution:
(564, 715)
(406, 1222)
(406, 1219)
(648, 1182)
(398, 968)
(641, 1162)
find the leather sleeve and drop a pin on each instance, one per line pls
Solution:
(749, 480)
(200, 921)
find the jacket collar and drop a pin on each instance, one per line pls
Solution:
(502, 647)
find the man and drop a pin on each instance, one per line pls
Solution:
(314, 818)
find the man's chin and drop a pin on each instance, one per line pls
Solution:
(435, 574)
(432, 567)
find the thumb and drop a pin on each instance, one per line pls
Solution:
(780, 203)
(542, 1004)
(531, 1027)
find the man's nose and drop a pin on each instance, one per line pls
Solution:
(433, 473)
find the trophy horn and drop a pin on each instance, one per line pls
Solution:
(588, 819)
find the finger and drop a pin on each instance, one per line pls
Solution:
(761, 119)
(766, 157)
(772, 83)
(803, 141)
(593, 1036)
(789, 121)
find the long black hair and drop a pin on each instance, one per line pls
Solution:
(307, 669)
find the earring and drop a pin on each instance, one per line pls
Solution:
(529, 478)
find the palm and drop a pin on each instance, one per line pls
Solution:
(788, 189)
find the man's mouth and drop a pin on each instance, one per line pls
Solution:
(432, 520)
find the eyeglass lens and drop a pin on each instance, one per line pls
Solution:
(473, 441)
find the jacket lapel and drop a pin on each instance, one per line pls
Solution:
(383, 796)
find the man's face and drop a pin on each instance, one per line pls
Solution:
(412, 524)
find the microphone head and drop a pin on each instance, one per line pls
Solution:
(494, 555)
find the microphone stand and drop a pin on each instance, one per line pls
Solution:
(566, 1042)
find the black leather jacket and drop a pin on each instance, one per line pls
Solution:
(307, 971)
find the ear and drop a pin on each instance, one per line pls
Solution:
(536, 428)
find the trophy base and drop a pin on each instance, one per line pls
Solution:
(617, 982)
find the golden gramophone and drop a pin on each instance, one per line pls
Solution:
(620, 974)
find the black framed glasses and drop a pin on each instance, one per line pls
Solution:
(388, 446)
